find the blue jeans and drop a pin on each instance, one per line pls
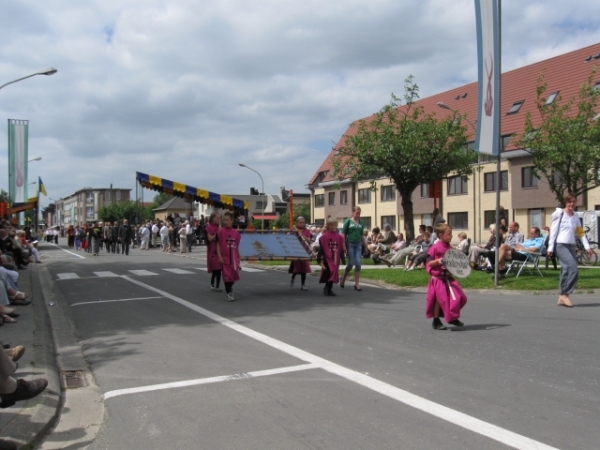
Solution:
(354, 256)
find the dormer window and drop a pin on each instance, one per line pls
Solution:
(551, 98)
(515, 107)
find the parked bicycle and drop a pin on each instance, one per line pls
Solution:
(582, 255)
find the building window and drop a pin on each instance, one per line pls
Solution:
(425, 190)
(366, 222)
(320, 222)
(118, 195)
(260, 205)
(551, 98)
(343, 197)
(489, 181)
(489, 217)
(515, 107)
(505, 140)
(364, 196)
(426, 220)
(319, 200)
(106, 196)
(331, 198)
(528, 178)
(388, 193)
(457, 186)
(89, 212)
(89, 197)
(459, 220)
(388, 219)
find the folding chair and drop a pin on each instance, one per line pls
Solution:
(531, 258)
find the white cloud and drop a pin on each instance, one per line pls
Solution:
(186, 90)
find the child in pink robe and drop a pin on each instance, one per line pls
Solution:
(298, 266)
(213, 266)
(331, 250)
(228, 251)
(445, 297)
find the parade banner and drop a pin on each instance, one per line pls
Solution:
(272, 247)
(18, 135)
(488, 56)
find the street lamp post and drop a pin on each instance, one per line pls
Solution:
(50, 71)
(263, 191)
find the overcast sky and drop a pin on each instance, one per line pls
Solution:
(186, 89)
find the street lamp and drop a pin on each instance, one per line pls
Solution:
(39, 158)
(50, 71)
(444, 106)
(263, 191)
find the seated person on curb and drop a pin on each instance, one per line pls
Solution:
(477, 251)
(519, 253)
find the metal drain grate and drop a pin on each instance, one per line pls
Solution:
(73, 379)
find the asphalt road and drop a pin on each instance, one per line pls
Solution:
(181, 368)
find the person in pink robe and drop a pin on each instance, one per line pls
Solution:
(445, 297)
(228, 251)
(331, 251)
(299, 266)
(213, 266)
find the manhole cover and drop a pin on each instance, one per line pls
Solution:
(73, 379)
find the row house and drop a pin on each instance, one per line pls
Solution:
(469, 205)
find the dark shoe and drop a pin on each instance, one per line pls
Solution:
(489, 269)
(438, 325)
(456, 323)
(25, 390)
(503, 271)
(20, 302)
(342, 284)
(332, 294)
(325, 291)
(7, 445)
(357, 288)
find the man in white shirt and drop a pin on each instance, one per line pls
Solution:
(145, 234)
(189, 235)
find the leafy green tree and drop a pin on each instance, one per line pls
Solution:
(128, 209)
(160, 199)
(406, 145)
(4, 196)
(565, 141)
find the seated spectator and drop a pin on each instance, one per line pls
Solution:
(477, 251)
(387, 239)
(419, 256)
(519, 253)
(512, 237)
(373, 239)
(399, 256)
(463, 243)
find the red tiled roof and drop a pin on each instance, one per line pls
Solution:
(565, 73)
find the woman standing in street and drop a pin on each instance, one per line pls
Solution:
(355, 240)
(563, 232)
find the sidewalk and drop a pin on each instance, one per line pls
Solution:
(27, 422)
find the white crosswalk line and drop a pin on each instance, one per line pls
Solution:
(106, 274)
(178, 271)
(143, 273)
(67, 276)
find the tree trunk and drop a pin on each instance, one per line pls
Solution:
(409, 223)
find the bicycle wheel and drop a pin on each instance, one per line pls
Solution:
(593, 245)
(587, 260)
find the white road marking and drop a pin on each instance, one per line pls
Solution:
(251, 269)
(143, 273)
(67, 251)
(178, 271)
(67, 276)
(478, 426)
(117, 300)
(237, 376)
(106, 274)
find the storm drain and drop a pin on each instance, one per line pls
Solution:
(73, 379)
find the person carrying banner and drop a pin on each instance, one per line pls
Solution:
(228, 252)
(299, 266)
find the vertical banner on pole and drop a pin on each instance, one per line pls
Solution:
(18, 135)
(488, 57)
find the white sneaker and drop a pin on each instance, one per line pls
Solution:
(303, 288)
(230, 297)
(411, 268)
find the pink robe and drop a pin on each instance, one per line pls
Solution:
(440, 284)
(212, 259)
(331, 245)
(229, 243)
(302, 266)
